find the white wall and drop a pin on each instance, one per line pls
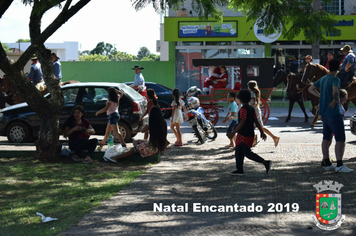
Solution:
(66, 51)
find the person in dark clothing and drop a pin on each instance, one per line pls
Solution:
(78, 130)
(245, 135)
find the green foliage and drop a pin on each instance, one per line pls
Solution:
(5, 47)
(143, 52)
(299, 14)
(151, 57)
(23, 40)
(122, 56)
(64, 191)
(103, 48)
(204, 8)
(93, 57)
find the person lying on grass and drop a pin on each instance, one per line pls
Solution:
(156, 143)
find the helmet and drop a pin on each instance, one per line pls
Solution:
(193, 91)
(193, 102)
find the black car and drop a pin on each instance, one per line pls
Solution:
(20, 124)
(164, 95)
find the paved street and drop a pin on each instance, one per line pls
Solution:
(198, 175)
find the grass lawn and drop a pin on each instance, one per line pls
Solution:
(66, 191)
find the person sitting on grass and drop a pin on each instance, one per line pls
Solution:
(156, 143)
(245, 135)
(78, 130)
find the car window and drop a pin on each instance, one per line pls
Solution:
(70, 95)
(96, 96)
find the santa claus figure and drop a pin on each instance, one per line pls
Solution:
(214, 74)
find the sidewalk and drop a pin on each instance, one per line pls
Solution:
(200, 174)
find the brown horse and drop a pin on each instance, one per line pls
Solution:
(291, 81)
(314, 72)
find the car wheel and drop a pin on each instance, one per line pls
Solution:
(125, 131)
(165, 113)
(19, 132)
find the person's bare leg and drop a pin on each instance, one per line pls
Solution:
(339, 150)
(325, 149)
(106, 136)
(174, 130)
(275, 138)
(118, 135)
(179, 134)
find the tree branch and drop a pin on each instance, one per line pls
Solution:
(61, 19)
(4, 5)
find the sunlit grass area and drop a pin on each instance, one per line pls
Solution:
(63, 191)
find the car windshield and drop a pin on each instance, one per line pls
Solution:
(130, 91)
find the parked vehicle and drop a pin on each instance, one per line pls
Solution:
(203, 128)
(20, 124)
(164, 95)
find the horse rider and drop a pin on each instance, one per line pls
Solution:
(56, 65)
(35, 74)
(347, 66)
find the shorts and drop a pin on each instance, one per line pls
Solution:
(333, 124)
(231, 127)
(142, 147)
(114, 118)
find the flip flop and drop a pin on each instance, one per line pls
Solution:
(86, 161)
(178, 145)
(229, 146)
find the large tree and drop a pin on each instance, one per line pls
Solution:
(47, 145)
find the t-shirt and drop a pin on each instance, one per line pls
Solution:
(233, 108)
(326, 84)
(78, 134)
(246, 134)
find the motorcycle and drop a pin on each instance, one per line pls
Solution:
(203, 128)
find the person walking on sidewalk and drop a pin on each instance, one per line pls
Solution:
(255, 103)
(331, 116)
(231, 115)
(177, 117)
(245, 135)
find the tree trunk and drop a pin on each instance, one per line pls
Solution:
(48, 145)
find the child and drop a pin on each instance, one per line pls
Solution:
(245, 136)
(112, 110)
(152, 101)
(255, 103)
(177, 117)
(231, 115)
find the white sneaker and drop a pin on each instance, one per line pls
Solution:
(331, 167)
(344, 169)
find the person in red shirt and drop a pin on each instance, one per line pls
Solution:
(245, 135)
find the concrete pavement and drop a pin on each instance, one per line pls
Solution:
(198, 175)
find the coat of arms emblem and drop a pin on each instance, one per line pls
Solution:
(328, 205)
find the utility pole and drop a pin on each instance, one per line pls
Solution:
(316, 43)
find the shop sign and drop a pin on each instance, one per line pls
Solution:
(265, 38)
(207, 29)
